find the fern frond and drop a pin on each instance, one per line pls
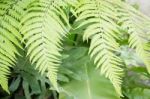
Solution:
(44, 27)
(136, 25)
(100, 18)
(10, 38)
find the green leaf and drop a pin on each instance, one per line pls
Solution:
(15, 84)
(26, 89)
(92, 86)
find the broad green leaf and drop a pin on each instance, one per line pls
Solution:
(91, 86)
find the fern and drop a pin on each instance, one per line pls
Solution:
(44, 27)
(10, 15)
(135, 23)
(100, 18)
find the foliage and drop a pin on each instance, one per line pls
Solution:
(90, 85)
(35, 36)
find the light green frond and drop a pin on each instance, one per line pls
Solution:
(100, 17)
(135, 24)
(10, 38)
(44, 26)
